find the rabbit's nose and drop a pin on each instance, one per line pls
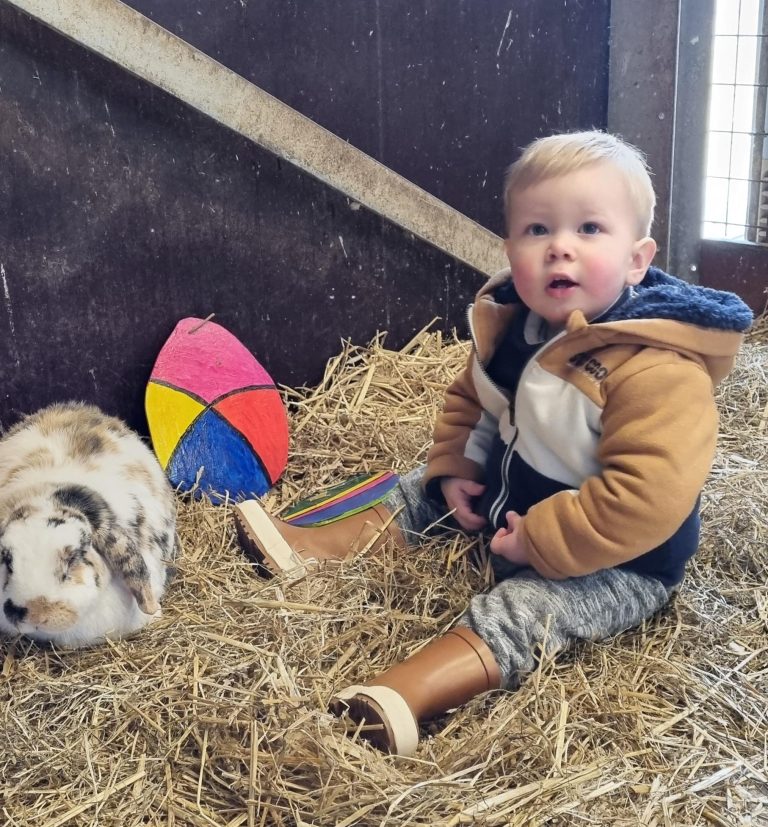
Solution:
(13, 612)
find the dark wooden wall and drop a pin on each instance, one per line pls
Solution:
(124, 210)
(442, 92)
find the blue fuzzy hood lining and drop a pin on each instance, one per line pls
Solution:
(661, 296)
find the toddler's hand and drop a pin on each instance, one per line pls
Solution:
(508, 542)
(459, 494)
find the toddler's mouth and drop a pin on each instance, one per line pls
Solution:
(561, 283)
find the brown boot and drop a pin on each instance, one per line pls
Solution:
(446, 673)
(278, 547)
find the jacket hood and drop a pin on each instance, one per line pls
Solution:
(663, 311)
(661, 296)
(658, 296)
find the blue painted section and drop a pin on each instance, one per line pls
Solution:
(229, 463)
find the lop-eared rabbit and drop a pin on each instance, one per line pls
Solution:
(87, 528)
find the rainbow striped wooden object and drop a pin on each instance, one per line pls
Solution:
(350, 497)
(216, 419)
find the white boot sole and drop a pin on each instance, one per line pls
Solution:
(399, 733)
(265, 543)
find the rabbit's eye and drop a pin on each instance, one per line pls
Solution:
(70, 558)
(74, 564)
(6, 566)
(6, 560)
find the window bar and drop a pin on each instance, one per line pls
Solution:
(757, 229)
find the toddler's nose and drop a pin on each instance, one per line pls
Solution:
(559, 247)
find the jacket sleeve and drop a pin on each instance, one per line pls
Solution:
(462, 434)
(656, 450)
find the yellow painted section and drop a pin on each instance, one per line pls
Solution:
(169, 414)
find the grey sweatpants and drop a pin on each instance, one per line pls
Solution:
(525, 612)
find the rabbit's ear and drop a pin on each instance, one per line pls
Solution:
(121, 552)
(124, 558)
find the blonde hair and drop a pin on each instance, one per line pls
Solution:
(558, 155)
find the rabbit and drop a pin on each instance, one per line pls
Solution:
(87, 528)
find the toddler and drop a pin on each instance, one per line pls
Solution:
(578, 436)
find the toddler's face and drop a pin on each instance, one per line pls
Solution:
(573, 243)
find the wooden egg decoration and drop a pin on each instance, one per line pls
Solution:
(216, 419)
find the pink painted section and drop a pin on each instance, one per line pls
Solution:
(208, 362)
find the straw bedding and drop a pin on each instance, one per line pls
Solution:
(216, 715)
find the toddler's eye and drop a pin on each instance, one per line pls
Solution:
(536, 229)
(590, 228)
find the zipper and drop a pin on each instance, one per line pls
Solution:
(498, 503)
(495, 509)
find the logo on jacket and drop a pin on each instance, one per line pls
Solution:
(589, 365)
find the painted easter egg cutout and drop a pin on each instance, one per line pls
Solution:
(217, 422)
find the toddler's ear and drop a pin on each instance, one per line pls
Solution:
(643, 252)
